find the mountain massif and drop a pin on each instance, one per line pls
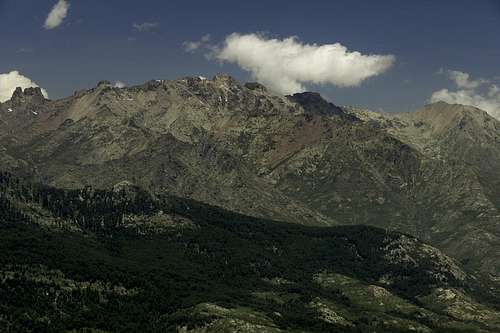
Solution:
(119, 168)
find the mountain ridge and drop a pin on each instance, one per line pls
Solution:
(287, 158)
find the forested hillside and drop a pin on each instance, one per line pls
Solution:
(122, 260)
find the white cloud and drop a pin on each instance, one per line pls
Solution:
(119, 84)
(285, 65)
(479, 93)
(10, 81)
(57, 15)
(463, 80)
(191, 46)
(493, 90)
(145, 26)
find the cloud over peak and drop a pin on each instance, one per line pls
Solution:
(463, 80)
(10, 81)
(480, 93)
(285, 65)
(57, 15)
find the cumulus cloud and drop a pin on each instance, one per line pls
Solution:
(145, 26)
(285, 65)
(463, 80)
(480, 93)
(192, 46)
(10, 81)
(57, 15)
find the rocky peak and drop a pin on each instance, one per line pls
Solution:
(103, 83)
(442, 117)
(34, 91)
(29, 95)
(225, 79)
(313, 103)
(17, 96)
(18, 93)
(103, 86)
(255, 86)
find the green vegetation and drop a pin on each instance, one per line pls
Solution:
(88, 271)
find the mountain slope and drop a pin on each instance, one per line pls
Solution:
(84, 259)
(86, 139)
(458, 191)
(210, 139)
(432, 174)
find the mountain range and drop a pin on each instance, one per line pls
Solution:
(298, 170)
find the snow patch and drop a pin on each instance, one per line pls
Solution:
(9, 110)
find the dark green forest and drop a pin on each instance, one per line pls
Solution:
(87, 271)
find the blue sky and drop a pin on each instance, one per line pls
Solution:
(97, 41)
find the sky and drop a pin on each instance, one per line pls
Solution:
(385, 55)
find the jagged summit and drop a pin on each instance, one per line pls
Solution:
(314, 103)
(17, 94)
(255, 86)
(222, 77)
(103, 83)
(29, 95)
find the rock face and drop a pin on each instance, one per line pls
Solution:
(433, 174)
(457, 193)
(315, 104)
(29, 95)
